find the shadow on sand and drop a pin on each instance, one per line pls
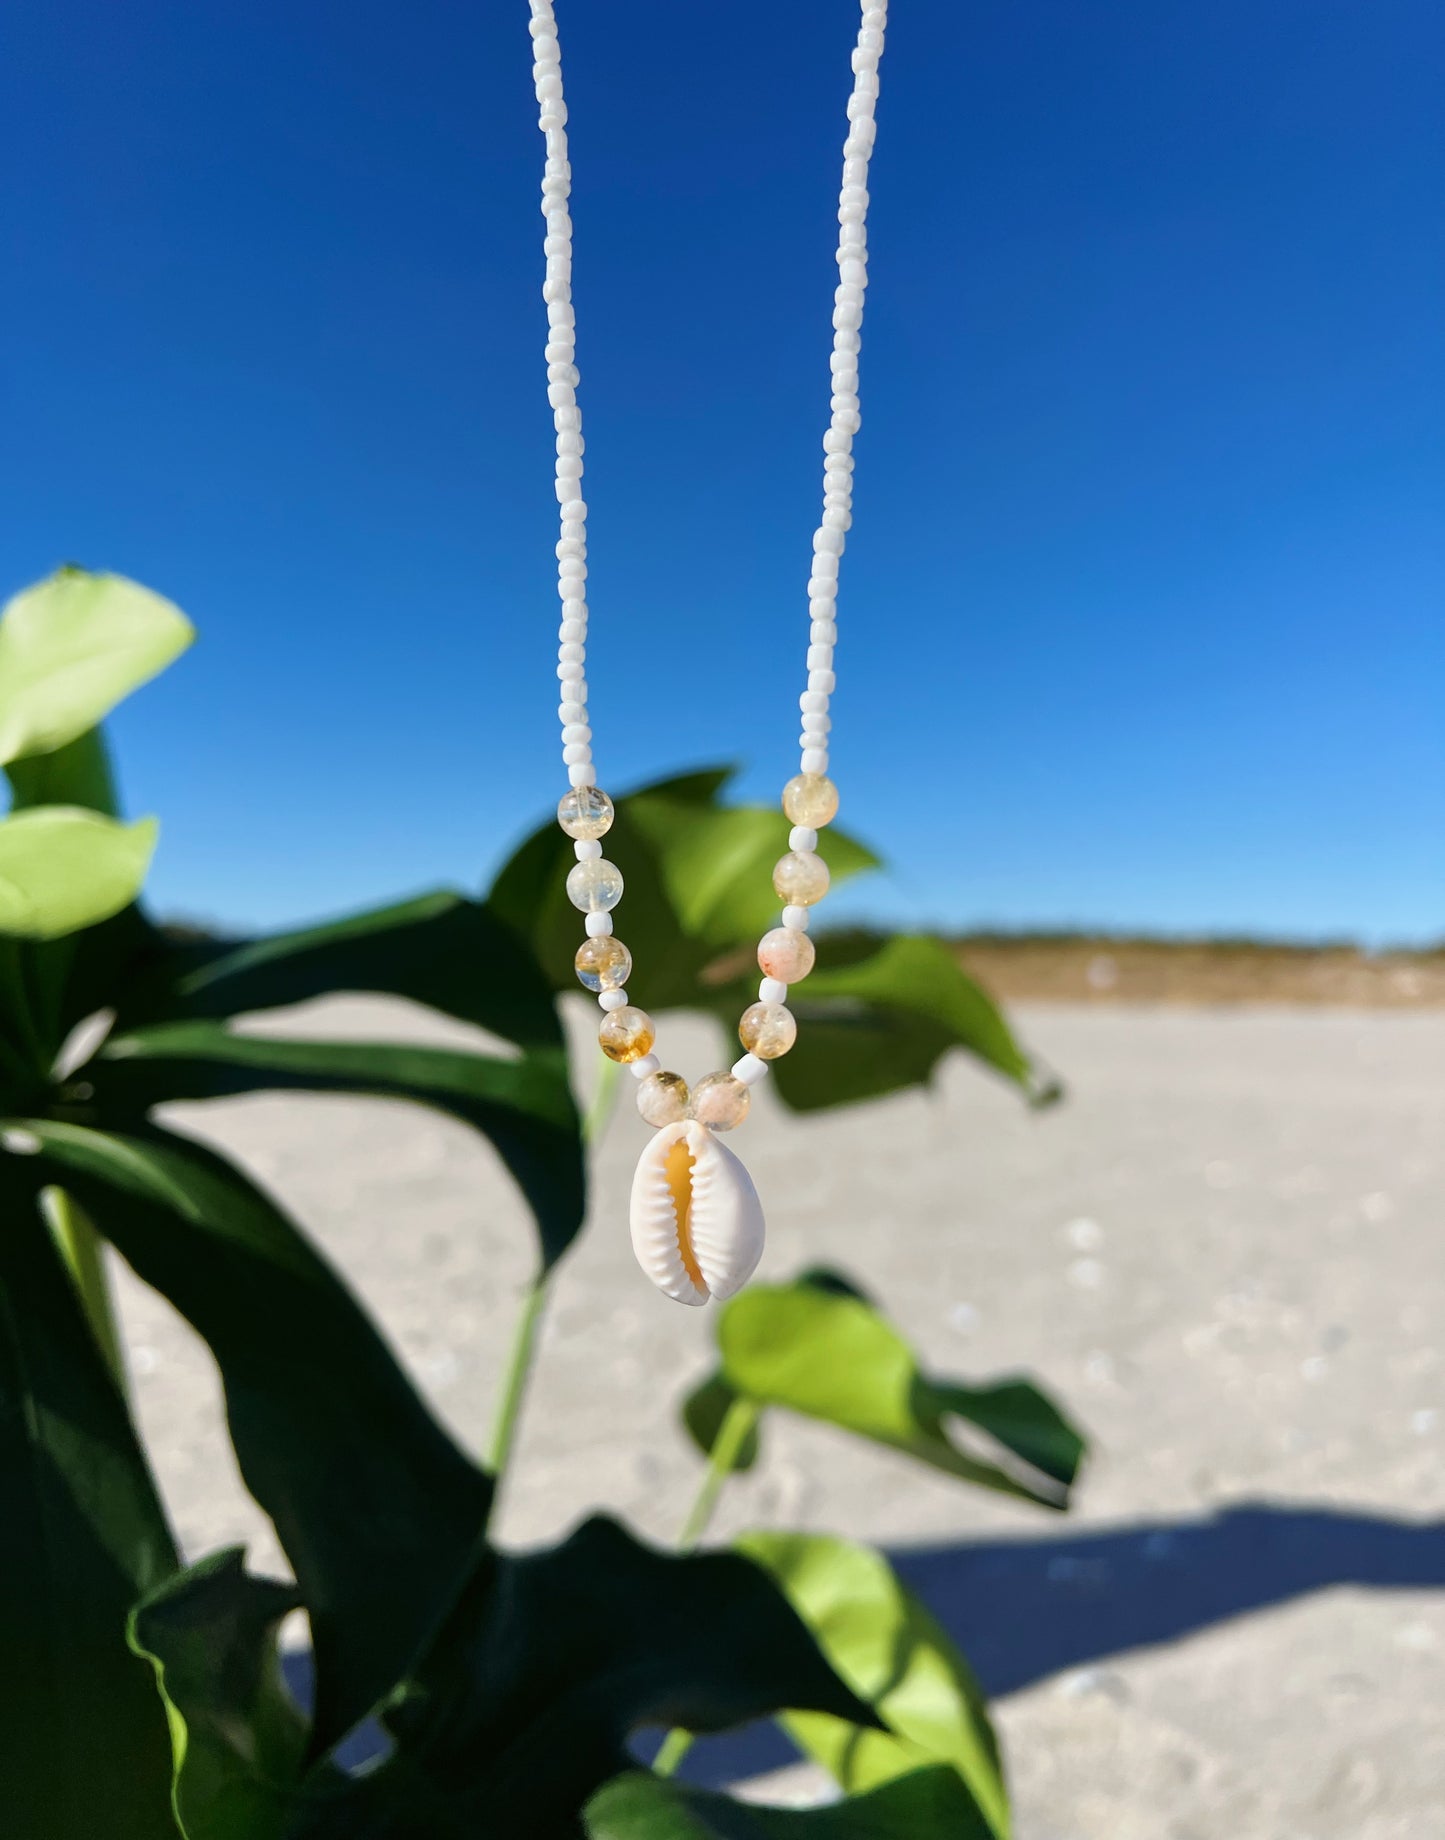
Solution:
(1023, 1609)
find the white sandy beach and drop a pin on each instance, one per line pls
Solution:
(1223, 1253)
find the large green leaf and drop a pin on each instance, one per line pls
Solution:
(524, 1707)
(77, 774)
(524, 1106)
(699, 885)
(62, 868)
(239, 1742)
(822, 1349)
(377, 1509)
(82, 1534)
(928, 1805)
(699, 895)
(452, 954)
(894, 1654)
(71, 648)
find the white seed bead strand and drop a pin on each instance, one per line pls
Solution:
(830, 538)
(594, 885)
(810, 800)
(562, 380)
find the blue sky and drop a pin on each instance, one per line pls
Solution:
(1141, 617)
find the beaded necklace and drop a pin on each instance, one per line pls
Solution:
(697, 1225)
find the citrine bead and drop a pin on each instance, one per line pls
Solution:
(767, 1030)
(585, 812)
(626, 1034)
(603, 963)
(801, 878)
(662, 1098)
(595, 885)
(720, 1101)
(810, 799)
(786, 954)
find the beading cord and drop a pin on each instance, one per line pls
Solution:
(810, 799)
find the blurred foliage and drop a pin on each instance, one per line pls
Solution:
(144, 1700)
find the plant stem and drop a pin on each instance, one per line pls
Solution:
(84, 1252)
(524, 1341)
(604, 1102)
(675, 1747)
(742, 1417)
(514, 1387)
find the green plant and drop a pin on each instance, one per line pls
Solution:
(508, 1684)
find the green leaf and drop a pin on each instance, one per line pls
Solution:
(77, 774)
(440, 949)
(238, 1739)
(829, 1354)
(699, 884)
(703, 1412)
(524, 1106)
(870, 1026)
(881, 1640)
(717, 863)
(73, 647)
(928, 1805)
(377, 1509)
(82, 1534)
(62, 868)
(524, 1707)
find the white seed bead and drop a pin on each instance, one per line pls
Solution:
(772, 990)
(750, 1070)
(612, 999)
(599, 925)
(796, 918)
(588, 849)
(800, 837)
(584, 775)
(814, 760)
(640, 1069)
(576, 752)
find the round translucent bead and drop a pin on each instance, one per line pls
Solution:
(626, 1034)
(767, 1030)
(808, 798)
(720, 1101)
(596, 885)
(604, 963)
(800, 878)
(585, 811)
(662, 1098)
(785, 955)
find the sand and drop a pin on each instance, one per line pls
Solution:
(1223, 1252)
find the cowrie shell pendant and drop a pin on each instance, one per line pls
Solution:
(697, 1223)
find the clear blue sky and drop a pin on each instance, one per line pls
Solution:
(1142, 611)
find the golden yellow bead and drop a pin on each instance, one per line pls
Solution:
(585, 812)
(626, 1034)
(662, 1098)
(603, 963)
(767, 1030)
(720, 1101)
(810, 799)
(801, 878)
(786, 954)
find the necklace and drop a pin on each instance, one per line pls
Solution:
(697, 1223)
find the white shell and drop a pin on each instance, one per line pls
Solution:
(724, 1219)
